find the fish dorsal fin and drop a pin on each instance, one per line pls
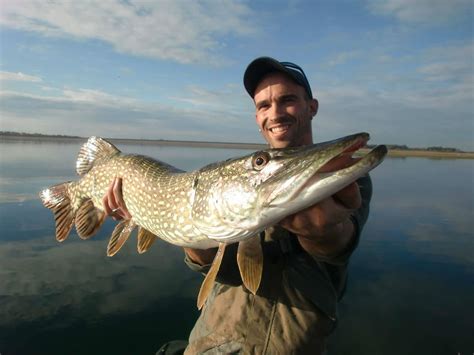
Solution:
(93, 149)
(88, 219)
(145, 240)
(57, 199)
(208, 282)
(119, 236)
(250, 261)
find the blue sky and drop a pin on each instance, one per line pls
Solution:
(401, 70)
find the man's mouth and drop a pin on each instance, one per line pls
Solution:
(281, 128)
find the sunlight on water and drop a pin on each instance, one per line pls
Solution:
(410, 277)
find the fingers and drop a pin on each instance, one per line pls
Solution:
(114, 204)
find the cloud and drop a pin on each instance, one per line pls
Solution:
(19, 76)
(343, 57)
(429, 90)
(449, 63)
(427, 12)
(182, 31)
(87, 112)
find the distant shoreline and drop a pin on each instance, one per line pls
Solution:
(157, 142)
(223, 145)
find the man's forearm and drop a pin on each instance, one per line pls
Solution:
(201, 256)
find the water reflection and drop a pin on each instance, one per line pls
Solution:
(410, 281)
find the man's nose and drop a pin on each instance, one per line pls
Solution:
(276, 111)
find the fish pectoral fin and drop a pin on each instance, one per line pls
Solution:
(145, 240)
(58, 200)
(208, 282)
(89, 219)
(250, 262)
(119, 236)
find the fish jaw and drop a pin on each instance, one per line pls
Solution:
(321, 186)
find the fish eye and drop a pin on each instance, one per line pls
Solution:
(259, 160)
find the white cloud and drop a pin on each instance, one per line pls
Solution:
(343, 57)
(96, 97)
(19, 76)
(178, 30)
(429, 12)
(91, 112)
(449, 63)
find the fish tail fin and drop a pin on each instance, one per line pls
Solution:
(88, 219)
(95, 148)
(58, 199)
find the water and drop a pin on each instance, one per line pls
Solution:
(410, 288)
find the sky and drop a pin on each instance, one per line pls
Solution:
(401, 70)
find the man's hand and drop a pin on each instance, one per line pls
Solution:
(326, 229)
(113, 202)
(115, 207)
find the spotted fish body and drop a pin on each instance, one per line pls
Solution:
(156, 194)
(222, 203)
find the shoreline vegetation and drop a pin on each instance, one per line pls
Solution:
(393, 150)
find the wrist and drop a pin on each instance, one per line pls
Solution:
(201, 256)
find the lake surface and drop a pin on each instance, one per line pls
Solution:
(410, 290)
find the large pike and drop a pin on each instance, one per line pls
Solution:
(219, 204)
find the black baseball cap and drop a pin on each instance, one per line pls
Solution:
(260, 67)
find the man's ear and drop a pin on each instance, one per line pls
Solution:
(314, 105)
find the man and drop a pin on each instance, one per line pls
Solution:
(305, 255)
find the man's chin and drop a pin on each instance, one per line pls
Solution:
(280, 142)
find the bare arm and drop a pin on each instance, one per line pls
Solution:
(201, 256)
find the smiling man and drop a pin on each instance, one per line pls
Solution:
(305, 255)
(284, 109)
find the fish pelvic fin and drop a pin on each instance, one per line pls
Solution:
(95, 148)
(208, 282)
(250, 262)
(119, 236)
(58, 199)
(88, 220)
(145, 240)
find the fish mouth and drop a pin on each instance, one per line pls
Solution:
(328, 167)
(345, 158)
(343, 170)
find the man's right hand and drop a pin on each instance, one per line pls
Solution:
(113, 202)
(115, 207)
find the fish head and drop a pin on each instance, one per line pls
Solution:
(240, 197)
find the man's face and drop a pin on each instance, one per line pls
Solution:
(283, 111)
